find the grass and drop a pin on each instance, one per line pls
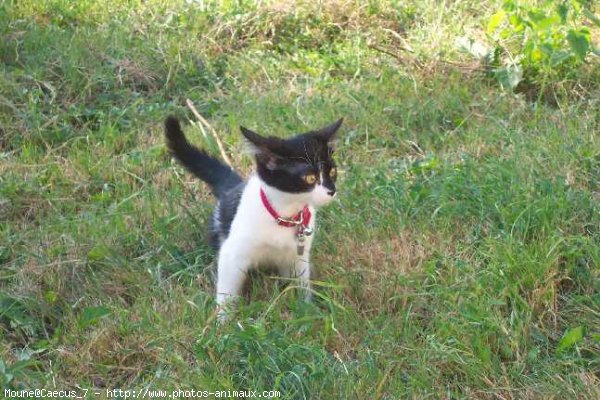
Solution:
(459, 262)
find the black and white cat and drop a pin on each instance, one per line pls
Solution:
(268, 219)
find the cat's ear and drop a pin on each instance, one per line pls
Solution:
(327, 133)
(259, 146)
(254, 139)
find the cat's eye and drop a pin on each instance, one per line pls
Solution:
(310, 178)
(333, 172)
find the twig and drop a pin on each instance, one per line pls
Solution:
(414, 61)
(205, 123)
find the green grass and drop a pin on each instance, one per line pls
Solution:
(464, 246)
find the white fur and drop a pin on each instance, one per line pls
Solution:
(255, 239)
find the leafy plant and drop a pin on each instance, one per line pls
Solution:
(570, 338)
(540, 43)
(24, 370)
(92, 315)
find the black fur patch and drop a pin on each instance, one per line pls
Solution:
(223, 214)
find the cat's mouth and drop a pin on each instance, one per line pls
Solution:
(321, 196)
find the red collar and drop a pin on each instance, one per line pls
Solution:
(302, 218)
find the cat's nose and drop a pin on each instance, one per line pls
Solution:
(331, 193)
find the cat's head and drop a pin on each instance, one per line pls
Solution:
(300, 165)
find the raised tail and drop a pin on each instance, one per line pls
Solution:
(212, 171)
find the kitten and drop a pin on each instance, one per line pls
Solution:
(268, 219)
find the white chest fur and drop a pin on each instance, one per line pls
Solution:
(255, 239)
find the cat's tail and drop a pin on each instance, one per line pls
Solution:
(212, 171)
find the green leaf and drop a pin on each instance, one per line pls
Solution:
(509, 76)
(562, 11)
(495, 21)
(509, 5)
(98, 253)
(536, 55)
(548, 22)
(535, 16)
(51, 296)
(579, 42)
(91, 315)
(570, 338)
(559, 57)
(517, 23)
